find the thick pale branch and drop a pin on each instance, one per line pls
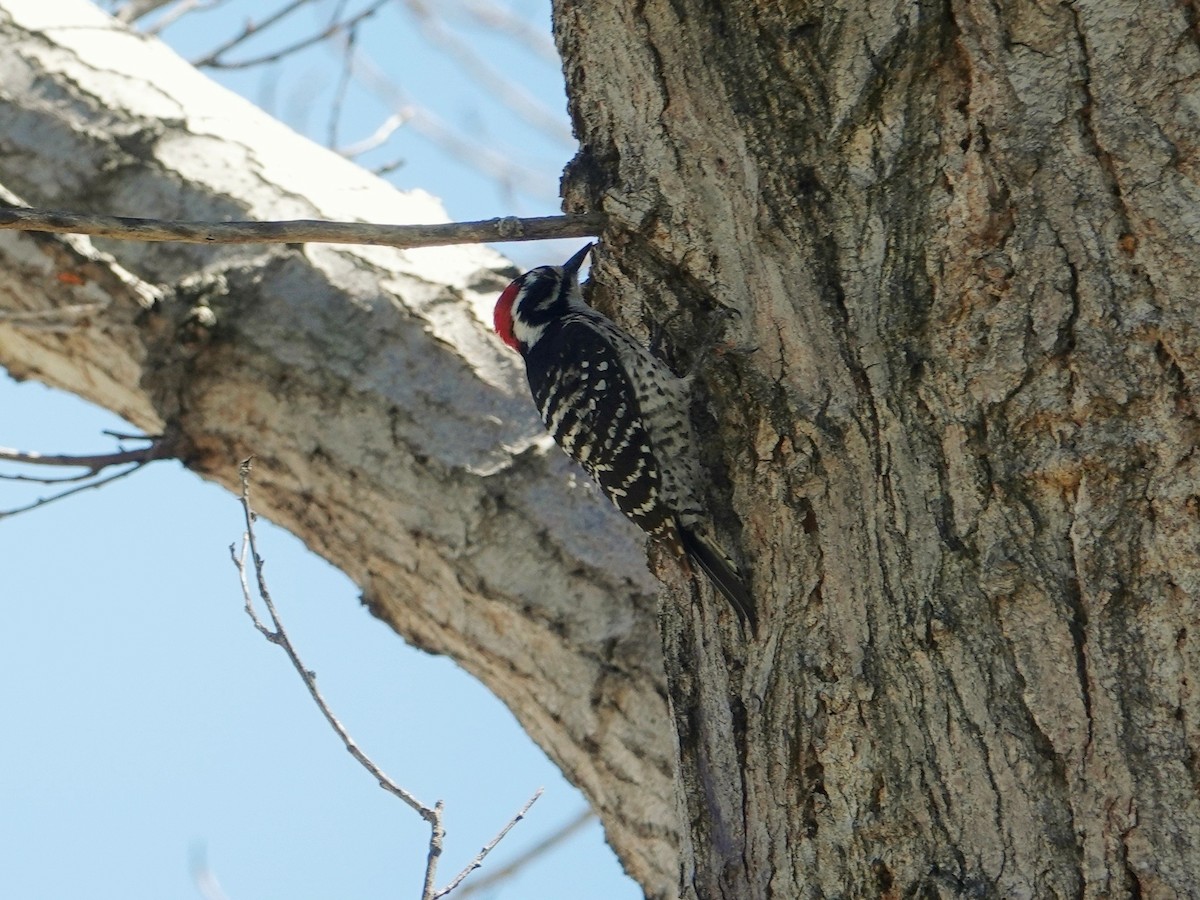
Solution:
(302, 231)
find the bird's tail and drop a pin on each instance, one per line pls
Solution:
(722, 572)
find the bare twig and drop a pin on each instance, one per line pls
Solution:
(502, 19)
(437, 837)
(470, 151)
(250, 29)
(135, 9)
(509, 228)
(487, 76)
(44, 501)
(488, 848)
(276, 634)
(46, 479)
(379, 137)
(94, 464)
(345, 71)
(494, 877)
(186, 6)
(213, 60)
(204, 877)
(387, 168)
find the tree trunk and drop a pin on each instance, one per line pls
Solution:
(960, 240)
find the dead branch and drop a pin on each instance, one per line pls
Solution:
(182, 9)
(44, 501)
(487, 848)
(213, 60)
(135, 9)
(497, 165)
(502, 20)
(379, 137)
(93, 464)
(490, 78)
(495, 877)
(277, 634)
(301, 231)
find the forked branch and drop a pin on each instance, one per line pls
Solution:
(277, 634)
(91, 464)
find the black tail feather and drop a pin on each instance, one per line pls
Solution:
(722, 573)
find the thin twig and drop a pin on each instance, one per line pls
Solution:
(496, 164)
(492, 79)
(387, 168)
(488, 847)
(343, 83)
(45, 501)
(437, 838)
(376, 139)
(494, 877)
(212, 61)
(135, 9)
(509, 228)
(251, 28)
(204, 877)
(502, 19)
(47, 479)
(187, 6)
(94, 462)
(159, 448)
(276, 634)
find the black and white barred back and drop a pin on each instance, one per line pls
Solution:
(617, 411)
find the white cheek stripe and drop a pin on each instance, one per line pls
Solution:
(527, 335)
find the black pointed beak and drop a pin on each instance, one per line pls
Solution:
(571, 266)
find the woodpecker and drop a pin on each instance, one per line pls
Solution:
(619, 412)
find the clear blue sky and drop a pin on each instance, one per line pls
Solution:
(146, 721)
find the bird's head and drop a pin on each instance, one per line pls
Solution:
(532, 301)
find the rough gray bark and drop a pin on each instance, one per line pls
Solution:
(962, 240)
(392, 432)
